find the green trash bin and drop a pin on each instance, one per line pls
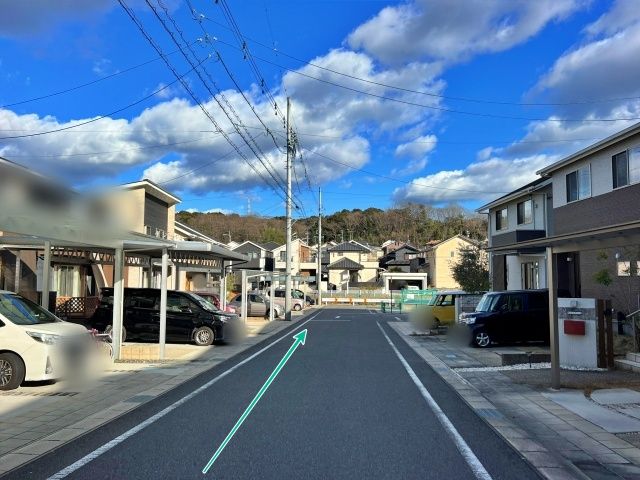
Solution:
(383, 307)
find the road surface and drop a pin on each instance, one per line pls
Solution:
(353, 402)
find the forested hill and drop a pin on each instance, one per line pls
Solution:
(417, 224)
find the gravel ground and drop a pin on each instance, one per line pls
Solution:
(587, 381)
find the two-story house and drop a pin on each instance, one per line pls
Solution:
(403, 258)
(352, 264)
(440, 258)
(519, 216)
(592, 223)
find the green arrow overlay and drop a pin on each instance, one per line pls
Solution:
(300, 338)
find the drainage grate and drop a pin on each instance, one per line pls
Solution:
(38, 394)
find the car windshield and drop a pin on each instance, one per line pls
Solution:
(487, 303)
(21, 311)
(204, 303)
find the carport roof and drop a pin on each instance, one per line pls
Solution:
(592, 239)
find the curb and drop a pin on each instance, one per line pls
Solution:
(500, 424)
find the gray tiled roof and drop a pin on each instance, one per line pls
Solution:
(348, 247)
(345, 264)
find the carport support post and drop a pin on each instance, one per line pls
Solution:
(18, 272)
(243, 304)
(552, 284)
(272, 297)
(223, 286)
(118, 301)
(163, 303)
(46, 275)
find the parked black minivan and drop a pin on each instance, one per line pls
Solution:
(511, 316)
(190, 318)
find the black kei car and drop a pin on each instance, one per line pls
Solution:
(511, 316)
(190, 318)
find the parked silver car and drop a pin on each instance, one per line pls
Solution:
(257, 305)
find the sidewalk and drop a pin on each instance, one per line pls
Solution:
(521, 407)
(38, 418)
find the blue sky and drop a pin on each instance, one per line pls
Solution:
(471, 66)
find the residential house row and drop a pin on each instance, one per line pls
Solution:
(587, 205)
(78, 275)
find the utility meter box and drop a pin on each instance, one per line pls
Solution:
(577, 332)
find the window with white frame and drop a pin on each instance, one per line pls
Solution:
(525, 212)
(283, 255)
(579, 184)
(626, 167)
(501, 219)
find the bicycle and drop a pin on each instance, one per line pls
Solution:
(102, 341)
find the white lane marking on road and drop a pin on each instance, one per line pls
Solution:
(329, 320)
(338, 316)
(397, 318)
(65, 472)
(474, 463)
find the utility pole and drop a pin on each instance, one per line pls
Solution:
(287, 282)
(319, 254)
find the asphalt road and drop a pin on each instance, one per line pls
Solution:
(344, 406)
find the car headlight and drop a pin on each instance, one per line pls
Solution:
(47, 338)
(469, 320)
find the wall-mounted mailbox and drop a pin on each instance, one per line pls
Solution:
(574, 327)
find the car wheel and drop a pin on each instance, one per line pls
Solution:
(481, 339)
(203, 336)
(297, 307)
(11, 371)
(109, 329)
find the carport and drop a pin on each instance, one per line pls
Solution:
(68, 237)
(615, 236)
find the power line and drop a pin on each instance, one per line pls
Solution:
(198, 168)
(83, 85)
(186, 86)
(436, 108)
(100, 117)
(265, 163)
(277, 52)
(407, 182)
(108, 152)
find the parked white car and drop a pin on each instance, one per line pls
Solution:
(35, 345)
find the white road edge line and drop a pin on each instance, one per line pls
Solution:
(132, 431)
(474, 463)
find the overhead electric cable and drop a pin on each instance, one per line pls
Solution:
(187, 87)
(278, 52)
(100, 117)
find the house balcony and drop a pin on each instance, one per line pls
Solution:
(516, 236)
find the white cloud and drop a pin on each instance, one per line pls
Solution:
(477, 182)
(453, 31)
(415, 154)
(603, 67)
(211, 210)
(102, 67)
(623, 14)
